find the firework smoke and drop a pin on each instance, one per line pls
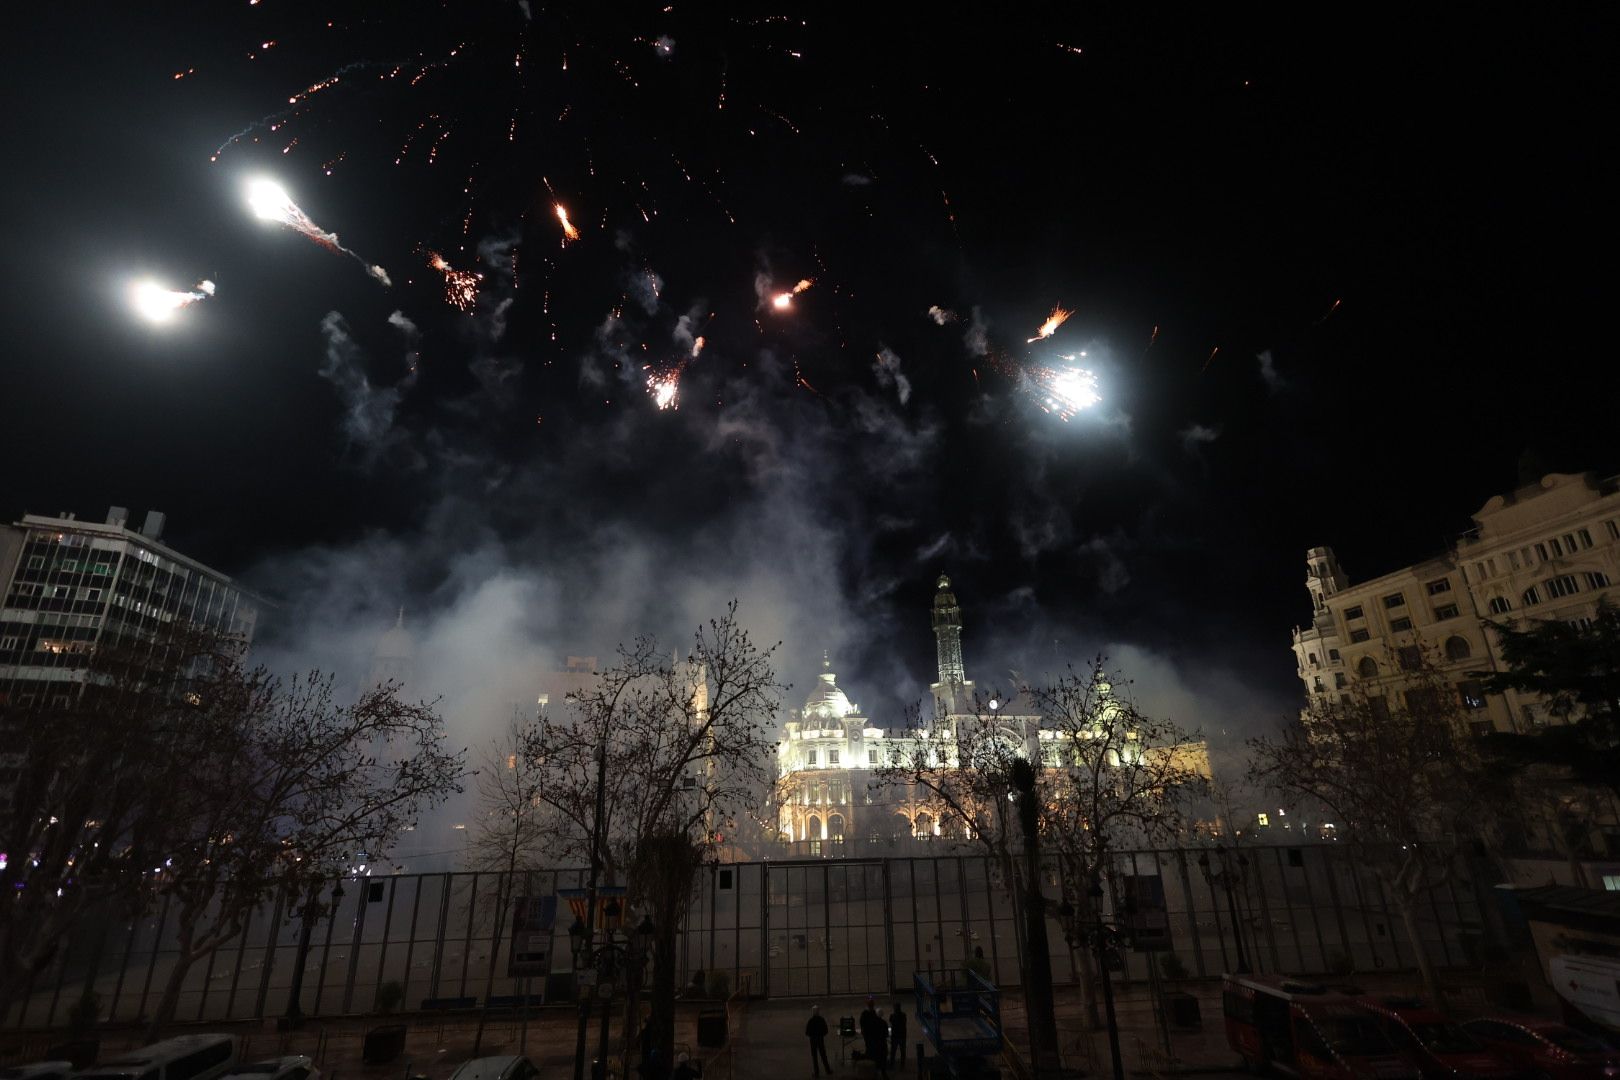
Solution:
(157, 304)
(1053, 321)
(269, 201)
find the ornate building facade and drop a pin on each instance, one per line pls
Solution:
(1549, 550)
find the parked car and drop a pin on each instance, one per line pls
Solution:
(38, 1070)
(1546, 1049)
(496, 1068)
(1439, 1048)
(1308, 1030)
(187, 1057)
(294, 1067)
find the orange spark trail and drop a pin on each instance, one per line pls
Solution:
(1058, 317)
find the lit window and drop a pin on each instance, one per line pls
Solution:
(1611, 882)
(1472, 693)
(1445, 611)
(1440, 586)
(1262, 820)
(1394, 600)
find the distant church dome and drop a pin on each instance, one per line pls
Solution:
(826, 701)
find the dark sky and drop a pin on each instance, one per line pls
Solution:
(1214, 182)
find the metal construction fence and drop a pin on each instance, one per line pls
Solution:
(817, 927)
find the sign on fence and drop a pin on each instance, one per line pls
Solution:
(532, 918)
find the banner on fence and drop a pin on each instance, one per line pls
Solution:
(532, 919)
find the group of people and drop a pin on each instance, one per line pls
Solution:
(885, 1039)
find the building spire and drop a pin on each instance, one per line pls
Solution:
(948, 634)
(399, 623)
(826, 660)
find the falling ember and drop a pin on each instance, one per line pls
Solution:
(460, 286)
(156, 304)
(1053, 321)
(269, 201)
(697, 346)
(569, 232)
(784, 300)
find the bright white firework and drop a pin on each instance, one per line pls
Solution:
(269, 201)
(783, 301)
(156, 304)
(1067, 390)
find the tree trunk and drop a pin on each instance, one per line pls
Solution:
(663, 993)
(1406, 905)
(170, 1001)
(308, 915)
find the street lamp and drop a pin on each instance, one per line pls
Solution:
(1224, 877)
(1102, 937)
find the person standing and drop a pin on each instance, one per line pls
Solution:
(876, 1033)
(816, 1030)
(897, 1035)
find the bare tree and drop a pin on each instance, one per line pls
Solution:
(92, 810)
(1403, 783)
(688, 745)
(1110, 777)
(292, 791)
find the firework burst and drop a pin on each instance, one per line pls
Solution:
(1058, 317)
(460, 286)
(156, 304)
(269, 201)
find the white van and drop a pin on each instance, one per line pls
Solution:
(187, 1057)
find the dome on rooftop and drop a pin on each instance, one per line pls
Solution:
(826, 701)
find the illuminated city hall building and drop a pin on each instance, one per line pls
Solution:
(829, 797)
(1548, 550)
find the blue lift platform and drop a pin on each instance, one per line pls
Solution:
(959, 1013)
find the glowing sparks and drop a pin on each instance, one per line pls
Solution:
(460, 286)
(269, 201)
(156, 304)
(1058, 317)
(1067, 390)
(665, 388)
(569, 232)
(697, 346)
(783, 301)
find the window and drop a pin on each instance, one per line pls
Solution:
(92, 594)
(1313, 659)
(1368, 668)
(35, 562)
(1457, 648)
(1586, 537)
(1344, 700)
(871, 757)
(1557, 548)
(1472, 694)
(1316, 684)
(1597, 579)
(1584, 622)
(832, 757)
(1500, 605)
(1394, 600)
(1339, 681)
(1333, 655)
(1563, 585)
(1400, 625)
(1410, 657)
(1611, 882)
(1262, 819)
(1569, 543)
(1440, 586)
(9, 644)
(1423, 699)
(1355, 612)
(1541, 552)
(1359, 635)
(809, 757)
(1614, 530)
(1445, 611)
(1531, 597)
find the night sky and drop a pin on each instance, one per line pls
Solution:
(1208, 184)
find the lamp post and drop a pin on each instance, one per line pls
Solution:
(616, 956)
(1224, 877)
(1101, 937)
